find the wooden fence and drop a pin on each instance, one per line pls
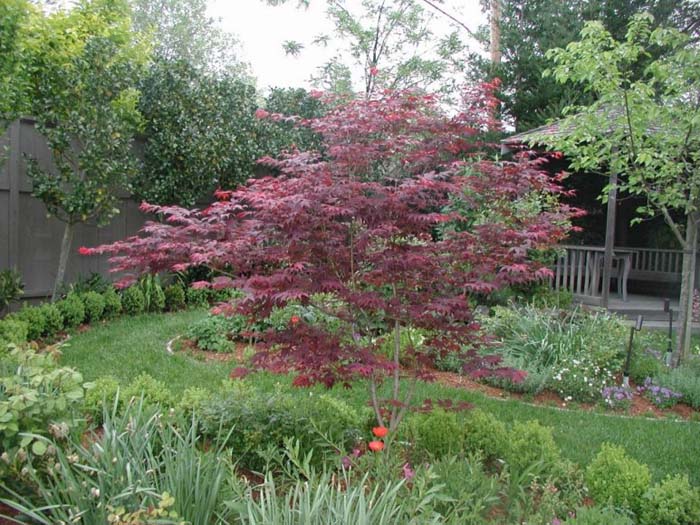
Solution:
(29, 240)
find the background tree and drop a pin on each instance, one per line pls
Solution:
(364, 223)
(181, 30)
(15, 27)
(643, 127)
(393, 46)
(529, 28)
(82, 69)
(200, 133)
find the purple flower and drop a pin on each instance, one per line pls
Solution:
(408, 472)
(346, 462)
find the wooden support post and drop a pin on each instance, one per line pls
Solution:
(13, 167)
(609, 239)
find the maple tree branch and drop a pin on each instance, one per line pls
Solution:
(451, 17)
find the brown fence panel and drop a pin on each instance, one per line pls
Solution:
(29, 240)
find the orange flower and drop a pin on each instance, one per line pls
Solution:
(380, 432)
(295, 319)
(376, 446)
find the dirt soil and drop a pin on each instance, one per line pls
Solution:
(640, 406)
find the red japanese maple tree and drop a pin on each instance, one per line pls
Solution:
(374, 220)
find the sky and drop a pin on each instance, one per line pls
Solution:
(262, 29)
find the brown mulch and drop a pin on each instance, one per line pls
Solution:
(640, 406)
(190, 348)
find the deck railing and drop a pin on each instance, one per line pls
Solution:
(579, 269)
(652, 264)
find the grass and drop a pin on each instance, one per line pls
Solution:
(131, 345)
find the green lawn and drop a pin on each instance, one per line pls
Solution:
(131, 345)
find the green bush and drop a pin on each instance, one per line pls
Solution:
(671, 502)
(11, 287)
(540, 338)
(598, 516)
(174, 297)
(335, 419)
(133, 302)
(72, 309)
(153, 295)
(197, 297)
(257, 422)
(113, 303)
(212, 333)
(484, 433)
(12, 331)
(436, 434)
(99, 396)
(37, 398)
(193, 399)
(94, 306)
(53, 320)
(529, 443)
(644, 365)
(615, 478)
(581, 378)
(684, 380)
(469, 493)
(152, 391)
(34, 317)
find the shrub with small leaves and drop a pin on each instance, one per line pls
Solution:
(133, 302)
(615, 478)
(34, 317)
(174, 298)
(530, 442)
(436, 434)
(72, 309)
(193, 398)
(113, 303)
(12, 331)
(671, 502)
(484, 433)
(53, 320)
(151, 390)
(94, 306)
(99, 396)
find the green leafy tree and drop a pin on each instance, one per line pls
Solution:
(82, 69)
(201, 133)
(181, 30)
(644, 127)
(529, 28)
(391, 42)
(15, 28)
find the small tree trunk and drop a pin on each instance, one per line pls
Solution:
(685, 306)
(63, 259)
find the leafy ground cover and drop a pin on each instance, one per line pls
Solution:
(133, 345)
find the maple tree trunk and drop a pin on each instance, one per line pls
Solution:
(685, 306)
(63, 259)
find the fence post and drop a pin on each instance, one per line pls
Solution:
(13, 171)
